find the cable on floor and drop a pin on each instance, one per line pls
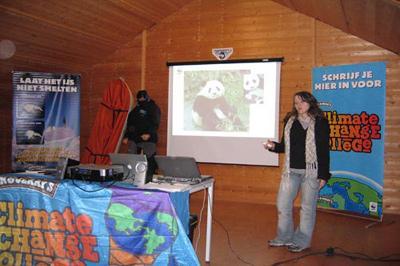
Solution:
(230, 244)
(331, 251)
(220, 224)
(200, 219)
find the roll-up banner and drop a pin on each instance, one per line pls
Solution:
(46, 119)
(353, 99)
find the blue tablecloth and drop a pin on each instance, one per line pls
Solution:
(91, 223)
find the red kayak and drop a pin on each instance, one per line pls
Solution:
(109, 125)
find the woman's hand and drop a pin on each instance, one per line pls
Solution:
(145, 137)
(269, 145)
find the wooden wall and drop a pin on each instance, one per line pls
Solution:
(6, 122)
(254, 28)
(265, 29)
(124, 63)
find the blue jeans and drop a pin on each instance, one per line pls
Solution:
(149, 148)
(287, 194)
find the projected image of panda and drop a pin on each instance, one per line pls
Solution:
(253, 93)
(211, 110)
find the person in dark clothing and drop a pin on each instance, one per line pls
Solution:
(141, 131)
(305, 141)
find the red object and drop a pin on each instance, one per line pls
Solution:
(109, 125)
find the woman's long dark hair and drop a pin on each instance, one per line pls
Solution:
(314, 111)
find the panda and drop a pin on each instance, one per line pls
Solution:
(252, 91)
(210, 108)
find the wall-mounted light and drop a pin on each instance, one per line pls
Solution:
(7, 49)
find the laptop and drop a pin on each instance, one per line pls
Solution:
(62, 167)
(134, 165)
(179, 169)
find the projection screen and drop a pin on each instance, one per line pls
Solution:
(222, 112)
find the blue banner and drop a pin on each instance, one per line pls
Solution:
(46, 119)
(353, 98)
(46, 222)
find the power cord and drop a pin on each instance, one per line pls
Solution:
(125, 168)
(298, 258)
(95, 190)
(230, 244)
(200, 219)
(332, 251)
(220, 224)
(361, 256)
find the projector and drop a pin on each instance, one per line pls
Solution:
(97, 173)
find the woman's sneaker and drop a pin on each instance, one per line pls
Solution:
(295, 248)
(278, 243)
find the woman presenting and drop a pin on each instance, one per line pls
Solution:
(305, 142)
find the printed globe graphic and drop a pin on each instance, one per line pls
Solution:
(135, 227)
(346, 192)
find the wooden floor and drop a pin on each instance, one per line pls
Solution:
(240, 232)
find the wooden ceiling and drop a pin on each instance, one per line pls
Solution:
(80, 33)
(77, 32)
(377, 21)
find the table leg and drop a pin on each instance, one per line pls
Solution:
(209, 221)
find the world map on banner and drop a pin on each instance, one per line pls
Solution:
(143, 226)
(342, 192)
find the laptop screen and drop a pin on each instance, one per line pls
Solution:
(179, 167)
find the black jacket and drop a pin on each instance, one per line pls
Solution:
(143, 119)
(298, 146)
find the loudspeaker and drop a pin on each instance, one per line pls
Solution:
(62, 165)
(140, 173)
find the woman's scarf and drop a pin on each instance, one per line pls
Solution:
(311, 152)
